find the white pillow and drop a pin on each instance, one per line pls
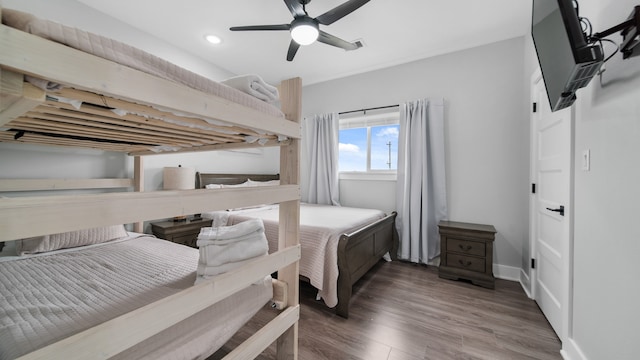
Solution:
(213, 186)
(244, 184)
(70, 239)
(264, 183)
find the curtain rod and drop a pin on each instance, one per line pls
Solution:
(365, 110)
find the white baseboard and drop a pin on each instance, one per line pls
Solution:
(505, 272)
(571, 351)
(525, 282)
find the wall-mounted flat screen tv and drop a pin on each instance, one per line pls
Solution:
(568, 62)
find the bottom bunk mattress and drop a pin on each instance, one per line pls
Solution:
(320, 229)
(50, 296)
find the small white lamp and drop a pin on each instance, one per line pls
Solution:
(178, 178)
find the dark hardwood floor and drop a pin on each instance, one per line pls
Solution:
(402, 311)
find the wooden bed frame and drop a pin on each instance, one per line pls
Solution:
(97, 81)
(358, 251)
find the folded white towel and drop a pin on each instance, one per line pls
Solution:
(208, 271)
(254, 86)
(219, 218)
(216, 255)
(245, 238)
(227, 244)
(253, 226)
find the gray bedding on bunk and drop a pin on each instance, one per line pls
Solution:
(129, 56)
(47, 297)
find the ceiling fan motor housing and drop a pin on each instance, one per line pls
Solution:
(305, 30)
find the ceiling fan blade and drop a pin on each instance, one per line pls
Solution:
(293, 49)
(340, 11)
(261, 27)
(295, 7)
(336, 41)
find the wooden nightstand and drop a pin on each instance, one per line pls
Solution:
(183, 232)
(466, 252)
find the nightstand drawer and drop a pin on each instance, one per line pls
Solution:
(189, 240)
(185, 232)
(466, 247)
(467, 252)
(466, 262)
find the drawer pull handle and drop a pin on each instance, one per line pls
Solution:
(468, 263)
(465, 248)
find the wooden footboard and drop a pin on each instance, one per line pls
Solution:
(360, 251)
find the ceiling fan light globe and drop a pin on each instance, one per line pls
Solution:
(304, 34)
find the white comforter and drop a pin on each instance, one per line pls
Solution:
(320, 230)
(45, 298)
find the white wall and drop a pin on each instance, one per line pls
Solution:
(358, 193)
(34, 161)
(486, 125)
(606, 289)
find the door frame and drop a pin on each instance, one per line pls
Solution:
(567, 269)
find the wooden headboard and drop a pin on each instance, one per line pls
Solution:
(203, 179)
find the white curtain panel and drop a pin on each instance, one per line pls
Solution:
(421, 197)
(321, 150)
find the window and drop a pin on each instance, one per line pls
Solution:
(369, 143)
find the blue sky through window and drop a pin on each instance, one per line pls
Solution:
(384, 147)
(353, 148)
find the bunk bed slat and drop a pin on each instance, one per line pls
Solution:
(110, 102)
(23, 217)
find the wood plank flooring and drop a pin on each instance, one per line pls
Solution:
(403, 311)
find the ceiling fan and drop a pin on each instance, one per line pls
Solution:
(305, 30)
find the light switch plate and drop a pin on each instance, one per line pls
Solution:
(586, 160)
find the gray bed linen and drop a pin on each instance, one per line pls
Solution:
(45, 298)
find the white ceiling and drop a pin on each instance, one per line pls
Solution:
(394, 32)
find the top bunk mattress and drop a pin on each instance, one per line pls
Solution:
(94, 112)
(129, 56)
(50, 296)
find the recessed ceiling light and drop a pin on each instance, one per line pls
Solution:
(213, 39)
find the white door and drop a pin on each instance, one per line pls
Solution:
(551, 150)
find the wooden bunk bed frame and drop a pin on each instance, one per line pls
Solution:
(358, 251)
(101, 82)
